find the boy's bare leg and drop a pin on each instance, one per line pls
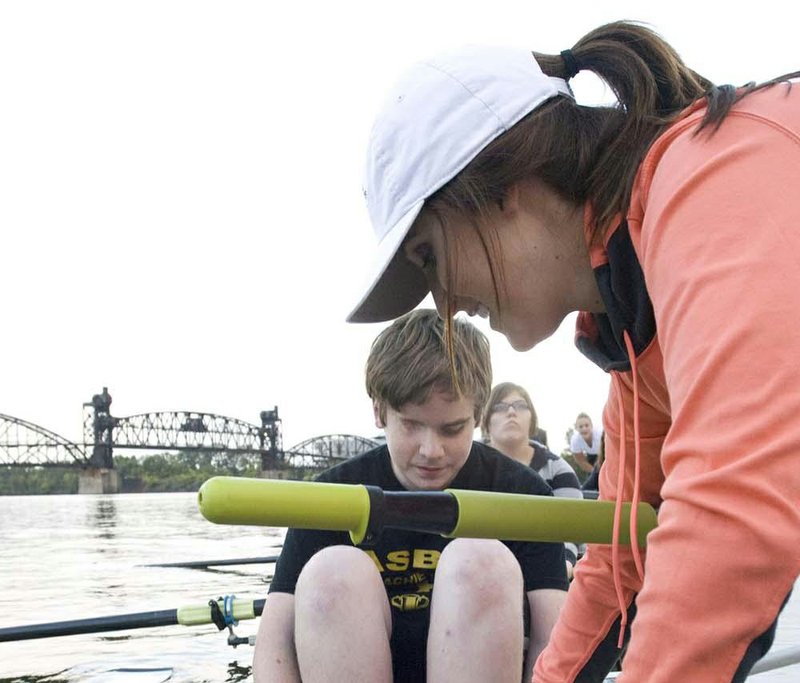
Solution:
(476, 631)
(342, 619)
(274, 659)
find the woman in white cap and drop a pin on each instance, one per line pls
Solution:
(670, 221)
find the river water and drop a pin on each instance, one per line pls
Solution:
(77, 557)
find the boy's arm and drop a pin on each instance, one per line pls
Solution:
(545, 604)
(275, 660)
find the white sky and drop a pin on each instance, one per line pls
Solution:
(180, 194)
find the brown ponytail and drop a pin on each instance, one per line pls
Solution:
(651, 84)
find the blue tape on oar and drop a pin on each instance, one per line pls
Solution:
(227, 611)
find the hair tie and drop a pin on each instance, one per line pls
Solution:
(571, 65)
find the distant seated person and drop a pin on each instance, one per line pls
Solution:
(585, 442)
(509, 424)
(416, 606)
(592, 482)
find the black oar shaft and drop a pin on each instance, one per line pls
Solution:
(119, 622)
(188, 616)
(202, 564)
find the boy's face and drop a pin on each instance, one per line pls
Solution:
(429, 443)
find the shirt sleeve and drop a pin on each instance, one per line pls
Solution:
(565, 484)
(597, 439)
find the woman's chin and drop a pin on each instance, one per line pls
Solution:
(526, 337)
(520, 340)
(518, 345)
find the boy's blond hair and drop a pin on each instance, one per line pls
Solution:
(409, 359)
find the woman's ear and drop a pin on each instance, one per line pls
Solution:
(511, 200)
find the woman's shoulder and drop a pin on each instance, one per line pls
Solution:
(770, 113)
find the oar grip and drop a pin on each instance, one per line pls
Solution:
(193, 615)
(299, 504)
(521, 517)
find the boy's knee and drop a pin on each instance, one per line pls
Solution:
(336, 577)
(480, 566)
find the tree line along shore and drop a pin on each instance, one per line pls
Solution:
(159, 473)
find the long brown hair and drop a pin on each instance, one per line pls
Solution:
(593, 153)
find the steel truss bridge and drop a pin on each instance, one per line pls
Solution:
(24, 444)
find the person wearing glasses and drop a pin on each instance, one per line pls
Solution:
(510, 424)
(415, 606)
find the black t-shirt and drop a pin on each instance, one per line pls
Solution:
(407, 559)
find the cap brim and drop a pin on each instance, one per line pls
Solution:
(395, 285)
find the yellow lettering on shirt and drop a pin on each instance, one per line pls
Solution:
(397, 560)
(410, 602)
(419, 579)
(425, 559)
(375, 559)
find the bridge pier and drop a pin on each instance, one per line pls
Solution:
(98, 480)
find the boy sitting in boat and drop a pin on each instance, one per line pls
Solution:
(414, 605)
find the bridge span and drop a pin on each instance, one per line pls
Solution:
(25, 444)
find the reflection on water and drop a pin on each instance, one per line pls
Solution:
(77, 557)
(237, 673)
(103, 516)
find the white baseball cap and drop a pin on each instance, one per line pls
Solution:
(436, 120)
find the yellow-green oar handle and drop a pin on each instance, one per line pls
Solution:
(192, 615)
(364, 511)
(519, 517)
(272, 502)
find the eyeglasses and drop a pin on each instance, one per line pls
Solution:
(502, 407)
